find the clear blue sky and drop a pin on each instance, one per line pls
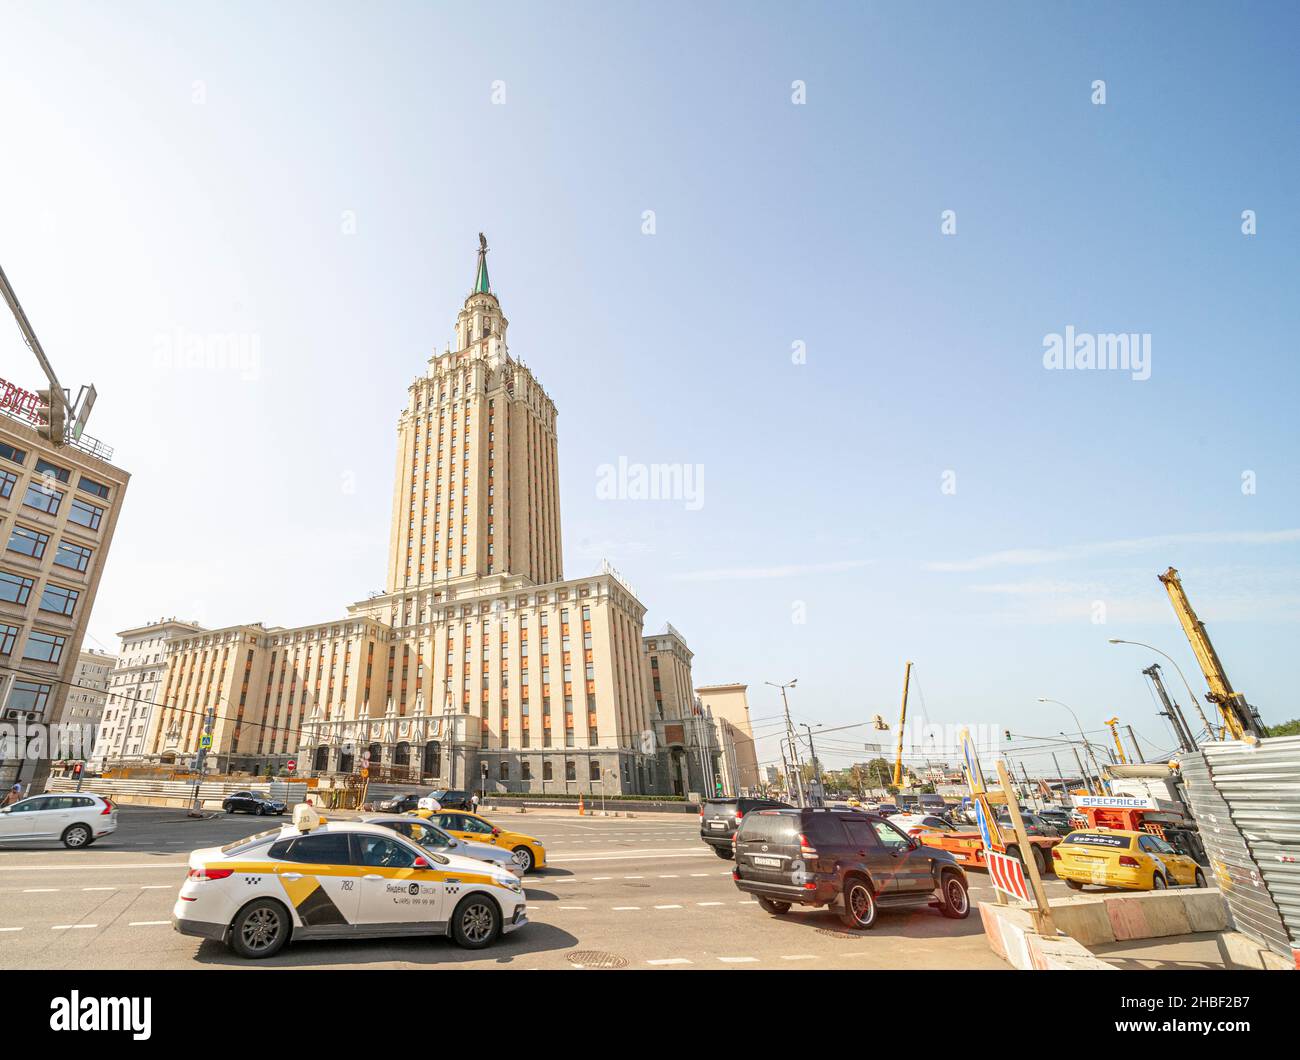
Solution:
(186, 172)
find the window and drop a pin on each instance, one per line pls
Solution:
(44, 647)
(326, 849)
(91, 486)
(503, 773)
(546, 771)
(85, 514)
(7, 481)
(570, 771)
(41, 499)
(526, 768)
(18, 456)
(14, 588)
(890, 836)
(27, 542)
(44, 467)
(7, 635)
(29, 695)
(594, 770)
(59, 600)
(386, 853)
(73, 556)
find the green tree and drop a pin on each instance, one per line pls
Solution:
(1287, 728)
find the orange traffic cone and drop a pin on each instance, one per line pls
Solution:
(580, 809)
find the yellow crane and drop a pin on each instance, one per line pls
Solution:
(902, 717)
(1239, 717)
(1114, 735)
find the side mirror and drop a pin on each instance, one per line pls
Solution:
(420, 863)
(496, 832)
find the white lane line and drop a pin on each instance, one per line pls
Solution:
(738, 960)
(39, 890)
(697, 875)
(663, 876)
(582, 907)
(798, 957)
(597, 879)
(626, 908)
(155, 887)
(148, 923)
(668, 907)
(747, 901)
(634, 877)
(708, 903)
(71, 927)
(669, 960)
(99, 888)
(11, 929)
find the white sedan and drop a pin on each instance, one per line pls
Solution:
(76, 819)
(319, 879)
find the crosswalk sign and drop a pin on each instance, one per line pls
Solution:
(205, 741)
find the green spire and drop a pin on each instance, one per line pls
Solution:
(481, 285)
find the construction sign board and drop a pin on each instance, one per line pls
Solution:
(1008, 875)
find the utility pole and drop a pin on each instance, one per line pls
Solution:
(790, 735)
(1087, 780)
(812, 753)
(1059, 775)
(1137, 751)
(1172, 710)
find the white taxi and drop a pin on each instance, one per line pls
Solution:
(339, 880)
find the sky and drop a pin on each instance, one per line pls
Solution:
(810, 256)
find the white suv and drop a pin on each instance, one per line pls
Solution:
(75, 819)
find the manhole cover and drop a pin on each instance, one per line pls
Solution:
(833, 934)
(595, 959)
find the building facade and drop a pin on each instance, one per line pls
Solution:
(134, 690)
(479, 664)
(729, 706)
(58, 509)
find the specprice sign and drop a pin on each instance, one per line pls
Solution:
(1114, 802)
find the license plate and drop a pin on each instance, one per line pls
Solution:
(774, 863)
(960, 857)
(717, 824)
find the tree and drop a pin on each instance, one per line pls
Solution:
(1287, 728)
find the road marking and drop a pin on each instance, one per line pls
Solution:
(738, 960)
(39, 890)
(669, 960)
(668, 877)
(583, 907)
(595, 879)
(99, 888)
(696, 875)
(708, 903)
(11, 929)
(155, 886)
(148, 923)
(626, 908)
(668, 907)
(71, 927)
(634, 877)
(798, 957)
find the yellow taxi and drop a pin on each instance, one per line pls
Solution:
(529, 853)
(1134, 861)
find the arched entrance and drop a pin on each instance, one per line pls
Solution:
(321, 761)
(432, 765)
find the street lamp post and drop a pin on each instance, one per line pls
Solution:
(1086, 744)
(789, 736)
(1195, 702)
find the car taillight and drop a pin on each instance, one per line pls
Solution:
(1131, 863)
(1056, 854)
(735, 874)
(210, 874)
(739, 815)
(805, 848)
(108, 809)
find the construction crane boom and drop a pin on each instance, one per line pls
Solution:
(1239, 717)
(1171, 711)
(902, 717)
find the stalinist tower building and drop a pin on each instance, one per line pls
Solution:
(479, 655)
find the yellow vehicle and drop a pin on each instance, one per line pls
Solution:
(1134, 861)
(529, 853)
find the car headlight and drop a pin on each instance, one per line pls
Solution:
(510, 884)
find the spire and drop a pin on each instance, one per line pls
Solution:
(481, 285)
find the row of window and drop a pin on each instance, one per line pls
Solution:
(57, 599)
(40, 646)
(47, 469)
(47, 499)
(27, 541)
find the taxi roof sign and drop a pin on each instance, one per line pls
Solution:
(305, 818)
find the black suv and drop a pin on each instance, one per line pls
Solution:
(453, 800)
(857, 862)
(720, 817)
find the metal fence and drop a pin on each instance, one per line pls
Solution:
(1247, 805)
(290, 793)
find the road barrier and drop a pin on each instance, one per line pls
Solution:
(150, 792)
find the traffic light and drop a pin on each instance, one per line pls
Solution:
(51, 416)
(1007, 734)
(76, 769)
(483, 769)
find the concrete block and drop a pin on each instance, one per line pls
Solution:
(1206, 908)
(1084, 918)
(1152, 914)
(1062, 954)
(1242, 952)
(1275, 962)
(1006, 926)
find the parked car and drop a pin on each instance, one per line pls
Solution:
(252, 802)
(1058, 819)
(916, 823)
(400, 803)
(75, 820)
(1135, 861)
(453, 799)
(1034, 824)
(719, 818)
(855, 862)
(431, 837)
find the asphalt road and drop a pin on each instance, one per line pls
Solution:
(638, 893)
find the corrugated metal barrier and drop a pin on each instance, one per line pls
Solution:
(1247, 805)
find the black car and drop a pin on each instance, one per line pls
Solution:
(719, 818)
(251, 802)
(401, 803)
(454, 800)
(857, 863)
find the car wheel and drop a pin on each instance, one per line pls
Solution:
(954, 900)
(261, 810)
(1039, 861)
(1074, 885)
(260, 929)
(476, 922)
(723, 853)
(1158, 882)
(859, 906)
(523, 857)
(227, 807)
(76, 836)
(775, 908)
(1200, 878)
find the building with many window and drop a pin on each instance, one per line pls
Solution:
(479, 658)
(134, 688)
(58, 509)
